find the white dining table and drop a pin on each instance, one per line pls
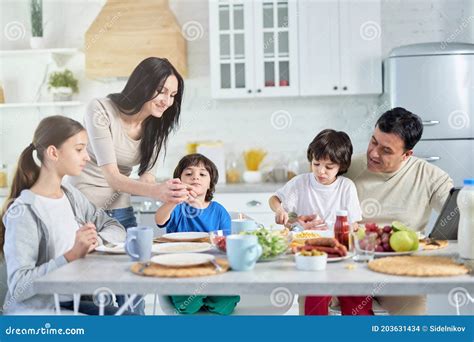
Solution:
(112, 272)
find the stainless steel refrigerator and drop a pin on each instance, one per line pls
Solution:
(436, 82)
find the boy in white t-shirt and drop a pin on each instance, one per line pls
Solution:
(319, 194)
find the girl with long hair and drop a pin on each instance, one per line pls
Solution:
(46, 224)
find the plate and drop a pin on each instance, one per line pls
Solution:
(181, 247)
(186, 236)
(182, 259)
(348, 256)
(386, 254)
(118, 249)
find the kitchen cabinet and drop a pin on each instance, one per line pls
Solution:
(339, 47)
(253, 48)
(252, 204)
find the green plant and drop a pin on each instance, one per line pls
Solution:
(36, 7)
(63, 79)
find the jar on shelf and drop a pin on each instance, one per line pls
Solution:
(3, 176)
(233, 173)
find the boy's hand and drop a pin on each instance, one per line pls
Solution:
(281, 217)
(312, 222)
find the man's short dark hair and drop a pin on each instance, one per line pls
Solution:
(333, 145)
(403, 123)
(196, 159)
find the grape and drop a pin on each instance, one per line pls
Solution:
(386, 247)
(385, 239)
(387, 229)
(363, 244)
(379, 249)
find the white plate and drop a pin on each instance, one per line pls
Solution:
(348, 256)
(186, 236)
(181, 247)
(386, 254)
(119, 249)
(182, 259)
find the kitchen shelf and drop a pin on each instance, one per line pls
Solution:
(40, 104)
(56, 51)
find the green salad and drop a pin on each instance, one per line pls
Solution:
(272, 242)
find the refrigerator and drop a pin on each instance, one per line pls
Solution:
(436, 82)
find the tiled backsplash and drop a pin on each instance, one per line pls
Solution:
(283, 126)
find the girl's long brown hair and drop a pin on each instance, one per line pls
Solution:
(53, 130)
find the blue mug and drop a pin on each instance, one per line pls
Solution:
(238, 226)
(243, 251)
(139, 243)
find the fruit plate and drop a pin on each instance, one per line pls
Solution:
(336, 259)
(386, 254)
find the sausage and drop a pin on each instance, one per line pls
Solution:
(323, 242)
(328, 250)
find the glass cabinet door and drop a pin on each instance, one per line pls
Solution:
(231, 47)
(276, 47)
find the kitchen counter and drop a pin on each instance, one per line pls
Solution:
(246, 187)
(113, 272)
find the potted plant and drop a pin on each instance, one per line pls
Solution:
(62, 84)
(36, 8)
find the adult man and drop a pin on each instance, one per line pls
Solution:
(392, 184)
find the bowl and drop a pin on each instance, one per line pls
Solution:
(252, 176)
(311, 263)
(218, 240)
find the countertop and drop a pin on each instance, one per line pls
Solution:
(247, 188)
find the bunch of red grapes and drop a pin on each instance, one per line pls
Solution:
(383, 236)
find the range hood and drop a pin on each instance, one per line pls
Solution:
(127, 31)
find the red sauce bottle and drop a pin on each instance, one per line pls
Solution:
(342, 228)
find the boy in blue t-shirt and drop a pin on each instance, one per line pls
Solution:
(198, 214)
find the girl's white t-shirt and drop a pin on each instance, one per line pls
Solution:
(306, 196)
(63, 230)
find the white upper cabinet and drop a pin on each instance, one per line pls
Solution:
(253, 48)
(265, 48)
(340, 47)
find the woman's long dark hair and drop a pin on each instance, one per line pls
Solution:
(53, 130)
(149, 76)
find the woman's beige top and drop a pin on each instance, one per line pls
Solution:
(108, 143)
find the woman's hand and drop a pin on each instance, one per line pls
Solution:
(172, 191)
(86, 238)
(312, 222)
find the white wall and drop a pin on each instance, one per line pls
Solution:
(239, 123)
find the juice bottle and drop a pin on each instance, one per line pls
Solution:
(342, 228)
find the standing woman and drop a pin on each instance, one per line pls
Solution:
(127, 129)
(131, 128)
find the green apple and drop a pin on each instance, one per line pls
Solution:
(402, 241)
